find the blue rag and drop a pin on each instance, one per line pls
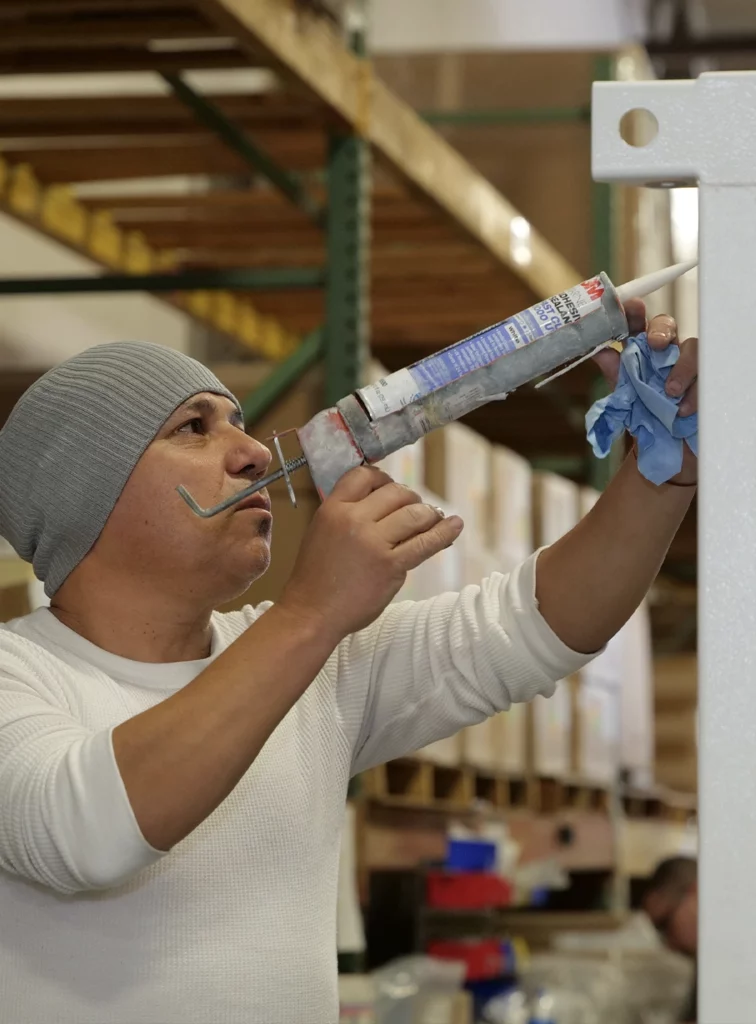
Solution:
(640, 405)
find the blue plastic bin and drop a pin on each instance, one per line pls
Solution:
(470, 855)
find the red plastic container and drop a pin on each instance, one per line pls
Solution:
(483, 958)
(467, 891)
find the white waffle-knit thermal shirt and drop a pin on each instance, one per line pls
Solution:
(237, 924)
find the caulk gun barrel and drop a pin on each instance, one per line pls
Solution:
(584, 321)
(399, 409)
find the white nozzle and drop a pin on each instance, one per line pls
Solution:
(636, 289)
(653, 282)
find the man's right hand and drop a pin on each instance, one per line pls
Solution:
(360, 546)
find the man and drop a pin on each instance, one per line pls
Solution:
(172, 780)
(671, 902)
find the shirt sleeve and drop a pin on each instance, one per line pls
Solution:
(65, 818)
(424, 670)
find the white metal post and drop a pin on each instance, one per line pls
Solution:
(707, 136)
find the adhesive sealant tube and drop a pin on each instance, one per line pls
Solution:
(377, 420)
(429, 375)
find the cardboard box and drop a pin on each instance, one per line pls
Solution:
(480, 744)
(458, 468)
(500, 743)
(637, 701)
(441, 574)
(676, 732)
(443, 1008)
(550, 733)
(358, 1004)
(478, 562)
(676, 681)
(447, 752)
(14, 602)
(555, 507)
(512, 752)
(609, 668)
(357, 995)
(587, 498)
(407, 465)
(679, 773)
(596, 740)
(511, 526)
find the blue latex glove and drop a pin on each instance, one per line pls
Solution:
(640, 405)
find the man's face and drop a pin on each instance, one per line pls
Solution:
(675, 917)
(153, 534)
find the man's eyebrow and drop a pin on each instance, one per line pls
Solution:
(205, 406)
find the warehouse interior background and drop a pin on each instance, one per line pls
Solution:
(305, 194)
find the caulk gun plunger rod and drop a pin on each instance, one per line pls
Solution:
(258, 485)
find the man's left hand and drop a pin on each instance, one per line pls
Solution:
(683, 377)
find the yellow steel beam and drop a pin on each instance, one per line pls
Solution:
(309, 51)
(55, 211)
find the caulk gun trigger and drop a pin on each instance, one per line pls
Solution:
(284, 469)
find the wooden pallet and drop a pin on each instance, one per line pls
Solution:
(414, 782)
(659, 805)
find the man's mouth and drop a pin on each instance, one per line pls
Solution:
(260, 501)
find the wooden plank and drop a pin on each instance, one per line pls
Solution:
(642, 843)
(74, 60)
(56, 213)
(91, 33)
(96, 115)
(14, 572)
(181, 155)
(311, 53)
(259, 200)
(421, 241)
(20, 8)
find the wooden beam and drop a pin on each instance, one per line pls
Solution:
(93, 115)
(118, 58)
(91, 33)
(313, 55)
(192, 154)
(21, 8)
(55, 212)
(260, 200)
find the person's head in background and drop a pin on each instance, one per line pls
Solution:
(671, 902)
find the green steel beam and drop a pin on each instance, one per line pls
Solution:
(346, 344)
(564, 465)
(602, 470)
(517, 115)
(232, 278)
(238, 141)
(278, 382)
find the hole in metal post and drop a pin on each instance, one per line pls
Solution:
(638, 127)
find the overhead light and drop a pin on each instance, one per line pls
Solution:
(519, 241)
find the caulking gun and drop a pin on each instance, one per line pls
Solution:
(399, 409)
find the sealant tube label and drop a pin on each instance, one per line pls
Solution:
(397, 390)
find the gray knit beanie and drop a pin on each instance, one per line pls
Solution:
(73, 439)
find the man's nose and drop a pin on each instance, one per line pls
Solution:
(250, 457)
